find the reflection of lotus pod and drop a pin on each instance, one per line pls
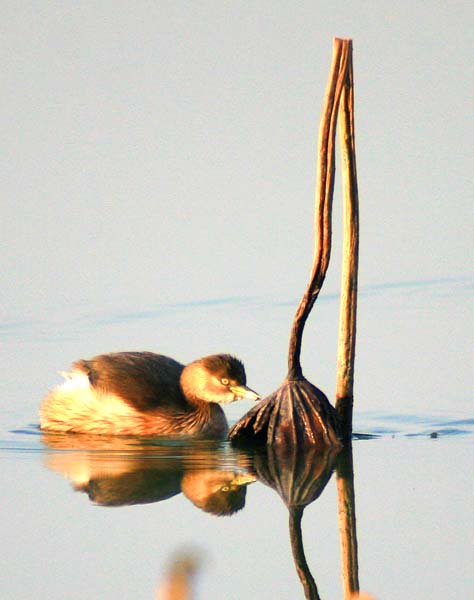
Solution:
(299, 476)
(297, 414)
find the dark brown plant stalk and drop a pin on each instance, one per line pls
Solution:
(347, 337)
(298, 413)
(348, 308)
(324, 195)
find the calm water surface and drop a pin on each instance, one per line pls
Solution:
(95, 518)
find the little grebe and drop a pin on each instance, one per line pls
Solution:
(143, 393)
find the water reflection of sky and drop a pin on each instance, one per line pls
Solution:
(414, 348)
(407, 293)
(412, 450)
(163, 499)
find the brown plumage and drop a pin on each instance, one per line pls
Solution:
(142, 393)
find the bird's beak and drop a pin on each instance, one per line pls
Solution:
(244, 392)
(243, 479)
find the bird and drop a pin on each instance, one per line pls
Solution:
(144, 393)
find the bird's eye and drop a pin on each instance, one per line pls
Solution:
(224, 381)
(225, 488)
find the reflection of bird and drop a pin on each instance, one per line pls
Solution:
(217, 492)
(221, 493)
(119, 471)
(142, 393)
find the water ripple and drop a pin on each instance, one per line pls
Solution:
(372, 425)
(67, 322)
(367, 426)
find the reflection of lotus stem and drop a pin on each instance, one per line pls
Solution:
(296, 538)
(348, 309)
(347, 522)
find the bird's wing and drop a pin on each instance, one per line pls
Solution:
(145, 380)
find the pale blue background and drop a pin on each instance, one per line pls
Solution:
(166, 150)
(159, 153)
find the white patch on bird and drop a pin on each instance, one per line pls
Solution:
(75, 405)
(74, 380)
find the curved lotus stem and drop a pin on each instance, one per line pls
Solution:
(324, 194)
